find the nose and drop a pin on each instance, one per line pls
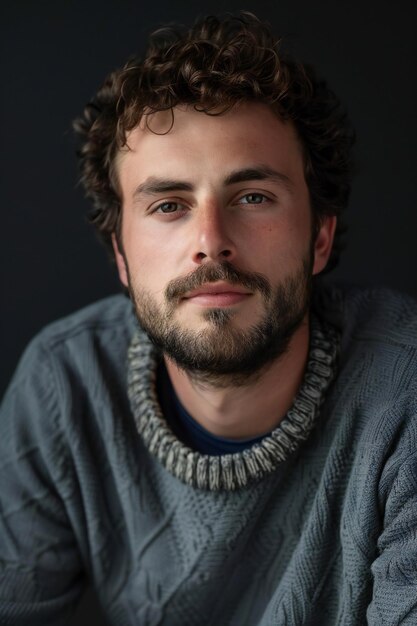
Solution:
(211, 236)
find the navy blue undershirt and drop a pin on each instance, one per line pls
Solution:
(185, 426)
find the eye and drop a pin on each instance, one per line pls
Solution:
(253, 198)
(168, 207)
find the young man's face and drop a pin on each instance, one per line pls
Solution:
(217, 235)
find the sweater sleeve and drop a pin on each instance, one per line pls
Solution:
(41, 575)
(394, 571)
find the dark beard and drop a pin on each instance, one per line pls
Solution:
(220, 354)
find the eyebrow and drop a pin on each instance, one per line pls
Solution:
(261, 172)
(153, 185)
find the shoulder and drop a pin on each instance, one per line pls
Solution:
(375, 392)
(71, 381)
(379, 338)
(114, 312)
(380, 315)
(377, 315)
(79, 341)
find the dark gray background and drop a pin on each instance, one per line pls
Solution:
(55, 54)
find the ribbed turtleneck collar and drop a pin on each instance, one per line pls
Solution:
(230, 471)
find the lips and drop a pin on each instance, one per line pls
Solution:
(216, 289)
(217, 295)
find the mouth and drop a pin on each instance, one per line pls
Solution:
(217, 295)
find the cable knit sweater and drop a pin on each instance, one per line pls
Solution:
(316, 525)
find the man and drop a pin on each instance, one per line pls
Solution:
(239, 446)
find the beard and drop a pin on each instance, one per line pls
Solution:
(220, 353)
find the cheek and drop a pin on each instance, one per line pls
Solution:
(147, 240)
(280, 245)
(151, 264)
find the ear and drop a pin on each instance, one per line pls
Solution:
(120, 261)
(324, 242)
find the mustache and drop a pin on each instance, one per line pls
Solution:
(213, 272)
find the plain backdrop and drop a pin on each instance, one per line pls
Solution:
(55, 54)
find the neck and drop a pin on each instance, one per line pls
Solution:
(250, 409)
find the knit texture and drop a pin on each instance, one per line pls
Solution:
(327, 538)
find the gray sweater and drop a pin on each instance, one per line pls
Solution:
(325, 534)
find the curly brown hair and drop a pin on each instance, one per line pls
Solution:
(213, 66)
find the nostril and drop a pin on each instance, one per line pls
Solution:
(200, 256)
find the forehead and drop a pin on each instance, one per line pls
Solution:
(185, 141)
